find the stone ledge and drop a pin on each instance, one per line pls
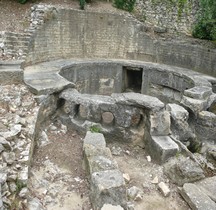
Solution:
(11, 76)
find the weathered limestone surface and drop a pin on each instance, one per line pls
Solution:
(137, 99)
(162, 148)
(195, 105)
(108, 187)
(160, 123)
(196, 199)
(179, 122)
(44, 83)
(206, 126)
(208, 187)
(198, 92)
(11, 72)
(182, 170)
(94, 139)
(106, 181)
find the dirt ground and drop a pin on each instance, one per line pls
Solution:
(133, 161)
(57, 175)
(59, 181)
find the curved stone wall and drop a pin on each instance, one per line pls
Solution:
(65, 33)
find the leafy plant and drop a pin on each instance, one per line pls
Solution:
(22, 1)
(94, 129)
(19, 186)
(82, 4)
(127, 5)
(205, 27)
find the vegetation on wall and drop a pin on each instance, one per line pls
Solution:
(205, 27)
(181, 5)
(22, 1)
(127, 5)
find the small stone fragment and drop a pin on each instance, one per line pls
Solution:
(117, 151)
(135, 193)
(148, 158)
(130, 206)
(1, 148)
(35, 204)
(23, 192)
(164, 189)
(111, 207)
(155, 180)
(126, 178)
(9, 157)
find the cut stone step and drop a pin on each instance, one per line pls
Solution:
(198, 92)
(162, 148)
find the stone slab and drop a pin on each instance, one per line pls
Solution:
(162, 148)
(11, 76)
(94, 139)
(108, 187)
(177, 112)
(208, 186)
(196, 199)
(196, 105)
(46, 83)
(160, 123)
(101, 163)
(181, 170)
(139, 100)
(200, 92)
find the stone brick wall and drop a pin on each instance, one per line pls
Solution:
(65, 33)
(168, 15)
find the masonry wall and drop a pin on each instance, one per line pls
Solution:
(82, 34)
(168, 15)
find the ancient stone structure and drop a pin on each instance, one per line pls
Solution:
(121, 82)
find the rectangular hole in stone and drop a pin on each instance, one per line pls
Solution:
(132, 79)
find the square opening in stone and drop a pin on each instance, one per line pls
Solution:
(132, 79)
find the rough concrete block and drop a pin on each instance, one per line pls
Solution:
(201, 92)
(95, 139)
(162, 148)
(196, 199)
(108, 187)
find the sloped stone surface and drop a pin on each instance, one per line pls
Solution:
(196, 199)
(182, 170)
